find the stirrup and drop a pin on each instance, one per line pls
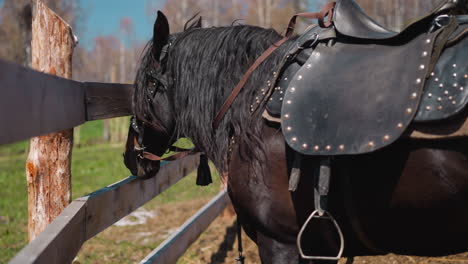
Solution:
(326, 216)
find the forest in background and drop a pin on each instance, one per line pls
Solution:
(114, 58)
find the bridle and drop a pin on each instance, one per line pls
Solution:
(140, 148)
(157, 82)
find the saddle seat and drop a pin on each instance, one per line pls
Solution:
(349, 19)
(355, 89)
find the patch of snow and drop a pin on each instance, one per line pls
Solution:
(138, 217)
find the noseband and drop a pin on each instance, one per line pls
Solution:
(140, 148)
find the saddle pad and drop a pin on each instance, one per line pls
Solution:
(353, 98)
(446, 93)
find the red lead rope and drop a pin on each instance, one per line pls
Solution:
(327, 11)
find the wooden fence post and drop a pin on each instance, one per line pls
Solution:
(48, 165)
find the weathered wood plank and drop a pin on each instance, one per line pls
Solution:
(89, 215)
(175, 246)
(108, 100)
(34, 103)
(60, 241)
(48, 168)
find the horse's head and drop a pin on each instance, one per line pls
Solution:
(152, 128)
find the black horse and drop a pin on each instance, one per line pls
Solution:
(408, 198)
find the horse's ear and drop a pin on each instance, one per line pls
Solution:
(198, 24)
(160, 34)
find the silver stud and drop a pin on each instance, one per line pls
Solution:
(455, 75)
(450, 98)
(263, 90)
(441, 85)
(304, 146)
(422, 67)
(440, 108)
(281, 92)
(436, 79)
(289, 128)
(288, 102)
(446, 92)
(293, 89)
(281, 99)
(428, 41)
(386, 138)
(258, 101)
(341, 147)
(428, 108)
(409, 110)
(424, 54)
(275, 73)
(328, 147)
(418, 81)
(299, 77)
(316, 148)
(414, 95)
(466, 76)
(286, 78)
(429, 95)
(455, 85)
(286, 116)
(371, 144)
(317, 54)
(309, 66)
(454, 102)
(439, 99)
(462, 88)
(294, 139)
(454, 65)
(400, 125)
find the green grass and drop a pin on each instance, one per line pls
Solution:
(93, 166)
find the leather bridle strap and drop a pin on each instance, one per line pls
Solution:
(327, 10)
(154, 157)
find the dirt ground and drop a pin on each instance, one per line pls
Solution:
(127, 243)
(219, 245)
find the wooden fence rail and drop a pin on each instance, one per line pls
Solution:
(87, 216)
(176, 245)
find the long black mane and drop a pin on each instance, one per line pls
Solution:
(203, 66)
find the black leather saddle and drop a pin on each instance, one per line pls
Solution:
(356, 87)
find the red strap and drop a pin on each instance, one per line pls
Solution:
(327, 10)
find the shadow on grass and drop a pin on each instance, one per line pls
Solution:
(226, 246)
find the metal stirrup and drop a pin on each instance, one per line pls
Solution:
(321, 188)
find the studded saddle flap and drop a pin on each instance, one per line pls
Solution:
(355, 95)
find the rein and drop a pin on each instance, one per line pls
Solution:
(142, 154)
(327, 11)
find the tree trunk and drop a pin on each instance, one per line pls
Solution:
(48, 165)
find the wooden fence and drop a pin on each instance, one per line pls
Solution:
(51, 104)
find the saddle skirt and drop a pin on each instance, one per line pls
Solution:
(350, 94)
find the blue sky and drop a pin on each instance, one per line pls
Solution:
(103, 18)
